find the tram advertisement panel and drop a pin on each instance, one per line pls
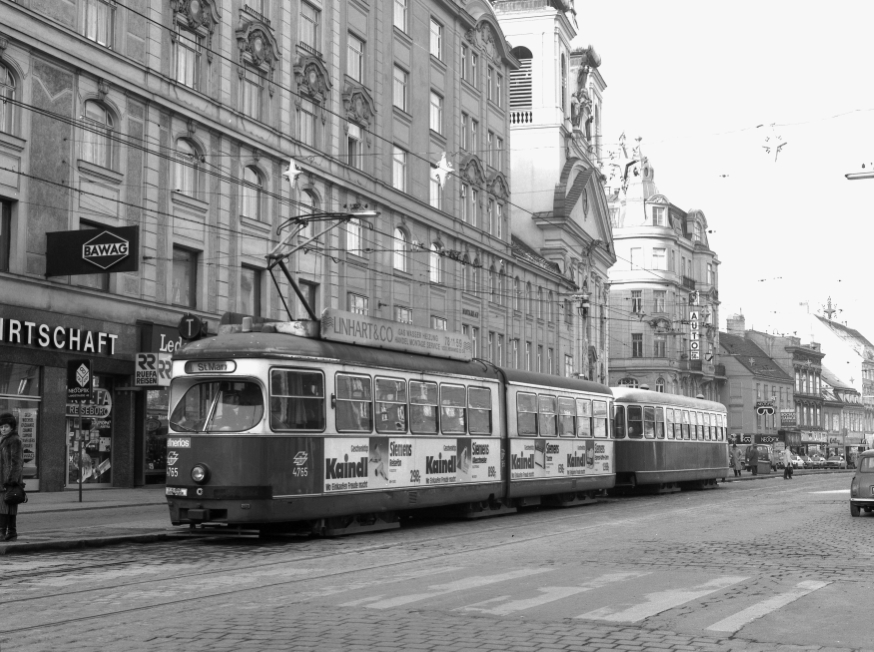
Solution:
(363, 463)
(559, 458)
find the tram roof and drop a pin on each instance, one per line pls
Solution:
(284, 346)
(560, 382)
(634, 395)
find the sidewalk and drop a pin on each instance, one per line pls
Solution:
(117, 515)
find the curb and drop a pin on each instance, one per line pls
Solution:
(93, 542)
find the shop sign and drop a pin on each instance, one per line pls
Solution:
(153, 370)
(31, 333)
(90, 251)
(787, 418)
(768, 439)
(836, 440)
(80, 380)
(808, 437)
(100, 407)
(162, 339)
(764, 408)
(342, 326)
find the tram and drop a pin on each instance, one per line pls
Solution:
(666, 442)
(343, 425)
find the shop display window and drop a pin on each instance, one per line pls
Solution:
(21, 395)
(94, 447)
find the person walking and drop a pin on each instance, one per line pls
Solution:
(737, 458)
(754, 460)
(11, 461)
(787, 463)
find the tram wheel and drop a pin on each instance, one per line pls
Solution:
(854, 510)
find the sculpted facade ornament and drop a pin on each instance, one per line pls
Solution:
(359, 105)
(258, 47)
(483, 37)
(472, 171)
(498, 186)
(199, 16)
(312, 77)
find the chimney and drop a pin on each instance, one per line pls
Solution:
(736, 324)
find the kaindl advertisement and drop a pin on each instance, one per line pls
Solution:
(559, 458)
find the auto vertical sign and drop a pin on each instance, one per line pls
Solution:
(694, 326)
(80, 380)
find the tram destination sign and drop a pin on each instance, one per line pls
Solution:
(342, 326)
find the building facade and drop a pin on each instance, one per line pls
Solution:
(664, 289)
(559, 214)
(215, 128)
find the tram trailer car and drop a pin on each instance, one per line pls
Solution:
(276, 431)
(665, 442)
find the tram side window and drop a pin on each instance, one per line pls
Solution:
(452, 409)
(619, 421)
(649, 422)
(711, 427)
(686, 425)
(354, 395)
(721, 427)
(479, 401)
(423, 408)
(297, 400)
(546, 416)
(584, 418)
(660, 422)
(526, 414)
(635, 422)
(700, 429)
(669, 416)
(566, 413)
(600, 415)
(391, 405)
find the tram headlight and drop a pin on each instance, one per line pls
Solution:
(200, 473)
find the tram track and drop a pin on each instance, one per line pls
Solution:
(419, 559)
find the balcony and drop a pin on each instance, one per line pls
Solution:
(688, 283)
(521, 117)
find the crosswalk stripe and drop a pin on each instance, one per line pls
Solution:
(549, 594)
(459, 585)
(741, 618)
(656, 603)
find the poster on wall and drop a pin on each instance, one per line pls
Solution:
(27, 433)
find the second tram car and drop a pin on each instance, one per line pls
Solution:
(668, 442)
(274, 430)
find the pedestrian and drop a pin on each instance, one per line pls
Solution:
(738, 459)
(11, 461)
(754, 460)
(787, 463)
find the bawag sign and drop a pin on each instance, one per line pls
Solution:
(93, 251)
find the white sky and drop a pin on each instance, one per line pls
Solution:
(694, 79)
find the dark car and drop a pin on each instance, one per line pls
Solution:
(862, 486)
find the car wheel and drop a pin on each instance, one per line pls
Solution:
(854, 510)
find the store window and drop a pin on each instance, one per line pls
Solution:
(21, 395)
(157, 402)
(92, 453)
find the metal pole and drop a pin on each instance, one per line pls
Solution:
(79, 438)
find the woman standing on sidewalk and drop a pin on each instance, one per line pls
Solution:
(787, 463)
(11, 461)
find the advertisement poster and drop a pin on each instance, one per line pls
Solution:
(559, 458)
(27, 433)
(382, 462)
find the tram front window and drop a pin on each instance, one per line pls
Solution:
(219, 406)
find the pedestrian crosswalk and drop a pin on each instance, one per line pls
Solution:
(724, 603)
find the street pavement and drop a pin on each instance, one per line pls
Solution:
(58, 521)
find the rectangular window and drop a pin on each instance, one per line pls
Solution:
(464, 56)
(310, 19)
(490, 147)
(658, 258)
(98, 19)
(297, 400)
(184, 290)
(550, 360)
(453, 415)
(637, 345)
(464, 127)
(307, 123)
(499, 154)
(649, 422)
(474, 207)
(250, 291)
(659, 298)
(399, 94)
(399, 169)
(540, 358)
(436, 115)
(391, 405)
(423, 408)
(527, 356)
(355, 58)
(465, 217)
(710, 277)
(250, 92)
(438, 323)
(490, 73)
(474, 68)
(526, 414)
(400, 15)
(499, 90)
(660, 423)
(473, 333)
(546, 415)
(474, 135)
(660, 346)
(568, 365)
(636, 301)
(479, 401)
(499, 221)
(310, 292)
(435, 197)
(353, 146)
(514, 353)
(600, 412)
(499, 351)
(5, 235)
(436, 39)
(357, 303)
(584, 417)
(354, 408)
(187, 46)
(658, 215)
(567, 413)
(403, 315)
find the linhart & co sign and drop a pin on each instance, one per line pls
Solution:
(92, 251)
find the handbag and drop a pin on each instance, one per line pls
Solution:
(15, 495)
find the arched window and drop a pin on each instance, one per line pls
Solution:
(492, 284)
(436, 267)
(185, 168)
(7, 97)
(629, 382)
(660, 385)
(96, 144)
(252, 189)
(517, 290)
(521, 87)
(400, 250)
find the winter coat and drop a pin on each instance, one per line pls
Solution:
(738, 459)
(787, 457)
(11, 459)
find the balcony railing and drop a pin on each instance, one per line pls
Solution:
(521, 117)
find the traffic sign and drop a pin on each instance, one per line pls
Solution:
(190, 327)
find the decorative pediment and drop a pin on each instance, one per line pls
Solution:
(199, 16)
(359, 105)
(472, 171)
(257, 44)
(312, 77)
(484, 38)
(499, 186)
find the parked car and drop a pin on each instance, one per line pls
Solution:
(862, 486)
(836, 462)
(818, 461)
(806, 462)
